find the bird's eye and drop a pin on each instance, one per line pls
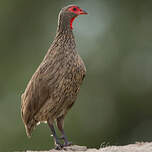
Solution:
(74, 9)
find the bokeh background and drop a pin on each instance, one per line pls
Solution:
(115, 41)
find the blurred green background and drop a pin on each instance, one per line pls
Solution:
(115, 40)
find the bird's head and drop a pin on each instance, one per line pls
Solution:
(69, 13)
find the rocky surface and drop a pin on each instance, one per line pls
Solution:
(137, 147)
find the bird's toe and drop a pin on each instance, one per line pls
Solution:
(58, 146)
(68, 143)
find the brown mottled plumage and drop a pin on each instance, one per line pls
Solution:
(53, 88)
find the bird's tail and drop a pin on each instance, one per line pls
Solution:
(30, 127)
(28, 123)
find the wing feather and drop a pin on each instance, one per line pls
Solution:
(40, 87)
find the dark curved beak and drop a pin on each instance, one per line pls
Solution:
(83, 12)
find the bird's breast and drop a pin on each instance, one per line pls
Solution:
(75, 68)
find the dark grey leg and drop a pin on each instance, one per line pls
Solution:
(58, 145)
(60, 122)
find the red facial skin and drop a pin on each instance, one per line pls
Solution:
(76, 10)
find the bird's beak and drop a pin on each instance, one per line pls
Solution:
(82, 12)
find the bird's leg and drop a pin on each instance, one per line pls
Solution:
(60, 124)
(56, 140)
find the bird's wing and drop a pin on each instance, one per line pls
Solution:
(40, 86)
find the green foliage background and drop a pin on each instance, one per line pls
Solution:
(115, 40)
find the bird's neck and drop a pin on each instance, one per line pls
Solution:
(65, 39)
(65, 24)
(64, 34)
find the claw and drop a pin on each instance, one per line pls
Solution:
(67, 144)
(58, 145)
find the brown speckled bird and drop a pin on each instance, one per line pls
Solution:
(54, 86)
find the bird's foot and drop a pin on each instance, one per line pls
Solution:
(58, 145)
(67, 143)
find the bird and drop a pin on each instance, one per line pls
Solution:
(53, 88)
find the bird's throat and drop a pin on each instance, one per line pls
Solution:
(71, 21)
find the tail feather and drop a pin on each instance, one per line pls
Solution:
(28, 122)
(30, 127)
